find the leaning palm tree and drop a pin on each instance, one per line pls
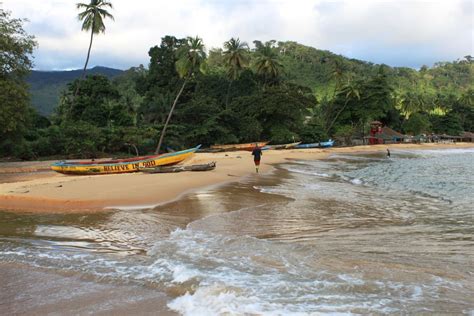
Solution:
(93, 20)
(350, 92)
(267, 62)
(236, 59)
(191, 57)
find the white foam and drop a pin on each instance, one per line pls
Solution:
(355, 181)
(312, 173)
(132, 207)
(218, 299)
(181, 274)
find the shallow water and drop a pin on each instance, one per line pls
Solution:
(351, 234)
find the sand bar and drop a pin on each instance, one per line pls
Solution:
(37, 191)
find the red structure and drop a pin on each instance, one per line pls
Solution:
(375, 133)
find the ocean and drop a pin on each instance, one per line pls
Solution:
(351, 234)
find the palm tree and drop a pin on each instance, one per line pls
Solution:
(93, 20)
(236, 59)
(191, 57)
(267, 62)
(411, 103)
(350, 92)
(467, 98)
(337, 74)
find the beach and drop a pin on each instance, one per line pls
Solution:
(32, 187)
(339, 230)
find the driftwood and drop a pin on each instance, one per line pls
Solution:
(203, 167)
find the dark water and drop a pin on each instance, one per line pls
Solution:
(351, 234)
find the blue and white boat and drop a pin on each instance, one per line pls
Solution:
(326, 144)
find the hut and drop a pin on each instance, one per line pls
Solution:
(375, 131)
(390, 135)
(383, 135)
(467, 137)
(449, 138)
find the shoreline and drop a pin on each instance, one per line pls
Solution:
(57, 193)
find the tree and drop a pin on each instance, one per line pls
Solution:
(162, 82)
(376, 97)
(93, 20)
(417, 123)
(464, 107)
(15, 63)
(16, 48)
(267, 62)
(350, 92)
(98, 103)
(447, 124)
(191, 57)
(236, 59)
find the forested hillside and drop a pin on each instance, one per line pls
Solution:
(275, 91)
(46, 86)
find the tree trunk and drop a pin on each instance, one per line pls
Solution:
(168, 118)
(335, 118)
(227, 96)
(87, 61)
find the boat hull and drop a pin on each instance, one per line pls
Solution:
(234, 147)
(327, 144)
(169, 169)
(124, 166)
(281, 146)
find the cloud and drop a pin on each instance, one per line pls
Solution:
(395, 32)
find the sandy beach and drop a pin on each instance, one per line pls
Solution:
(332, 231)
(30, 187)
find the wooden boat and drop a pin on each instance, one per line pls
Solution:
(329, 143)
(281, 146)
(164, 169)
(233, 147)
(122, 165)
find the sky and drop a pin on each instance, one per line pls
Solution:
(408, 33)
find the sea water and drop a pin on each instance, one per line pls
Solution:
(352, 234)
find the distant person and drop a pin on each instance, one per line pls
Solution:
(257, 155)
(388, 153)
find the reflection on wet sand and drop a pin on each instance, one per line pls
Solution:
(27, 291)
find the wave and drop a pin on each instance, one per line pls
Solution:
(312, 173)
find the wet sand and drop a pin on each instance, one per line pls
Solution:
(29, 187)
(23, 293)
(28, 290)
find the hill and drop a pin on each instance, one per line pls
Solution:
(318, 70)
(46, 86)
(303, 65)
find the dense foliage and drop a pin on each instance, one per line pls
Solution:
(16, 114)
(46, 86)
(277, 91)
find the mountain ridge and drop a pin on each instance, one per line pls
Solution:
(46, 86)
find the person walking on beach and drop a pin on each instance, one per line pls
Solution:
(388, 153)
(257, 155)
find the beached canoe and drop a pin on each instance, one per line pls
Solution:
(122, 165)
(168, 169)
(233, 147)
(281, 146)
(329, 143)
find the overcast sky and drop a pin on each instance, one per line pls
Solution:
(395, 32)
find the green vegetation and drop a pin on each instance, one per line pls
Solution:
(16, 114)
(46, 86)
(277, 91)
